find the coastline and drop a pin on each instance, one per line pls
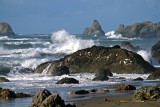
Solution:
(100, 102)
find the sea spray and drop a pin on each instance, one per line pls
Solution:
(145, 54)
(64, 42)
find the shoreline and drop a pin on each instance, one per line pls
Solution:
(100, 102)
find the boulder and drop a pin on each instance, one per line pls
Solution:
(125, 87)
(7, 94)
(68, 81)
(95, 29)
(6, 30)
(44, 98)
(60, 70)
(147, 93)
(79, 92)
(3, 79)
(127, 45)
(102, 75)
(142, 29)
(4, 69)
(155, 75)
(155, 51)
(92, 59)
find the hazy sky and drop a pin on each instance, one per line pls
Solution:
(47, 16)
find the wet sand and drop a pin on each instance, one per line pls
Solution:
(100, 102)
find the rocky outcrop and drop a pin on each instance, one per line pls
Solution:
(3, 79)
(44, 98)
(127, 45)
(68, 81)
(95, 29)
(155, 75)
(92, 59)
(143, 29)
(6, 30)
(147, 93)
(155, 51)
(125, 87)
(102, 75)
(8, 94)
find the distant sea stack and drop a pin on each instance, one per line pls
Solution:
(95, 29)
(142, 29)
(5, 29)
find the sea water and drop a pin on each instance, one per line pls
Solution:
(28, 51)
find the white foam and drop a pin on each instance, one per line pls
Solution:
(63, 42)
(112, 35)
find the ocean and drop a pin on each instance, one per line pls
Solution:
(28, 51)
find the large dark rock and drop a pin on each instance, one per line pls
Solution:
(155, 51)
(68, 81)
(6, 30)
(3, 79)
(155, 75)
(95, 29)
(142, 29)
(4, 69)
(44, 98)
(127, 45)
(147, 93)
(102, 75)
(115, 59)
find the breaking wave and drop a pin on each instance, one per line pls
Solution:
(66, 43)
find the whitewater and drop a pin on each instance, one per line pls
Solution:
(28, 51)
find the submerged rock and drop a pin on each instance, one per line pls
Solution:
(115, 59)
(6, 30)
(147, 93)
(3, 79)
(95, 29)
(44, 98)
(138, 79)
(142, 29)
(68, 81)
(102, 75)
(79, 92)
(125, 87)
(155, 51)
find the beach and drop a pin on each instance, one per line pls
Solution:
(100, 102)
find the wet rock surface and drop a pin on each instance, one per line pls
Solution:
(68, 81)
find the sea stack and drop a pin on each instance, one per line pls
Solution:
(142, 29)
(6, 30)
(95, 29)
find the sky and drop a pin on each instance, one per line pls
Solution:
(47, 16)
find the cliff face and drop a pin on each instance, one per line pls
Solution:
(142, 29)
(6, 30)
(95, 29)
